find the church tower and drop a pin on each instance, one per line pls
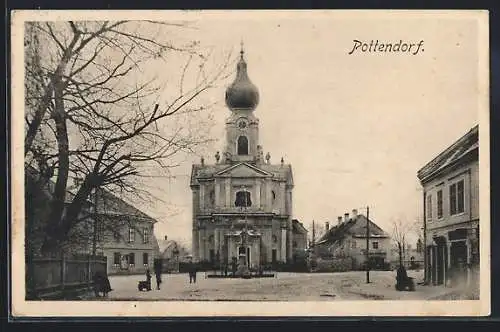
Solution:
(242, 203)
(242, 127)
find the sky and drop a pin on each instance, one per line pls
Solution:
(355, 128)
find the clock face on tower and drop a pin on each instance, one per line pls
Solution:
(242, 123)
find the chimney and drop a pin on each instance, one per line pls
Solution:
(346, 217)
(339, 220)
(327, 226)
(354, 213)
(166, 237)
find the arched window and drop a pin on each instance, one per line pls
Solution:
(243, 199)
(212, 198)
(242, 145)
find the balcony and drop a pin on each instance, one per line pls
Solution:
(237, 210)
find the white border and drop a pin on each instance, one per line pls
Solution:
(20, 307)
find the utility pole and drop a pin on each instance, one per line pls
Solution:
(313, 240)
(367, 244)
(94, 235)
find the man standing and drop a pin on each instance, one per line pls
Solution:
(191, 270)
(158, 268)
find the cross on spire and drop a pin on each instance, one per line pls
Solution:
(241, 50)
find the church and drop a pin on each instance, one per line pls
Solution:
(242, 202)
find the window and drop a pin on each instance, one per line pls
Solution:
(145, 260)
(440, 204)
(295, 244)
(116, 235)
(353, 244)
(145, 235)
(211, 239)
(212, 198)
(131, 234)
(275, 239)
(99, 231)
(116, 258)
(274, 195)
(429, 206)
(375, 245)
(457, 197)
(242, 145)
(243, 199)
(131, 258)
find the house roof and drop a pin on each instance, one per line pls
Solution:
(298, 227)
(165, 244)
(108, 203)
(355, 227)
(451, 155)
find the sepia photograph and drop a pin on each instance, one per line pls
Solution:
(250, 163)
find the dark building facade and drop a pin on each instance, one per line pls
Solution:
(451, 212)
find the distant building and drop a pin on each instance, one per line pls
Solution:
(413, 258)
(451, 210)
(347, 239)
(169, 249)
(299, 243)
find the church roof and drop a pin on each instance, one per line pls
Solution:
(456, 152)
(242, 93)
(281, 171)
(355, 227)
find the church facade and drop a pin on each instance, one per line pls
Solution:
(242, 203)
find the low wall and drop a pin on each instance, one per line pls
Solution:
(56, 277)
(333, 264)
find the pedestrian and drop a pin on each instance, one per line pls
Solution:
(101, 284)
(148, 279)
(158, 268)
(192, 271)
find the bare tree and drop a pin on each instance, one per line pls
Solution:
(400, 235)
(87, 113)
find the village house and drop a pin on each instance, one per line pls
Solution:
(125, 235)
(299, 244)
(347, 240)
(38, 192)
(451, 211)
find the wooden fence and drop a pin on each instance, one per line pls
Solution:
(61, 277)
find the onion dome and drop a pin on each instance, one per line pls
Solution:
(242, 93)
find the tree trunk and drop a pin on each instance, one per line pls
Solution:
(54, 231)
(400, 251)
(75, 207)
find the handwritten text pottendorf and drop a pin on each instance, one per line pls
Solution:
(374, 46)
